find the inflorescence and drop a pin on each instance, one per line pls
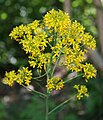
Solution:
(47, 39)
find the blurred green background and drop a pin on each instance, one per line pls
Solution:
(16, 103)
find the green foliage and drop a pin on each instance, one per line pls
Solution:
(3, 113)
(71, 117)
(32, 109)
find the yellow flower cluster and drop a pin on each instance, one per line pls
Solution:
(23, 76)
(33, 39)
(82, 91)
(55, 83)
(57, 21)
(89, 71)
(46, 40)
(58, 32)
(10, 77)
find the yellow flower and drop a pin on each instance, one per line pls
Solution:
(50, 86)
(23, 76)
(60, 85)
(82, 91)
(58, 20)
(89, 41)
(10, 77)
(89, 71)
(55, 83)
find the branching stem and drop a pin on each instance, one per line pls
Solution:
(60, 105)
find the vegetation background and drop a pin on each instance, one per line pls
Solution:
(16, 103)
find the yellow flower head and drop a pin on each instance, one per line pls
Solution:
(55, 83)
(57, 20)
(89, 71)
(23, 76)
(82, 91)
(10, 77)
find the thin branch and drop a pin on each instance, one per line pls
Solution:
(73, 78)
(42, 75)
(34, 91)
(60, 105)
(56, 64)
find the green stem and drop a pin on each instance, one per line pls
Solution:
(60, 105)
(42, 75)
(73, 78)
(47, 108)
(55, 64)
(49, 44)
(47, 101)
(34, 91)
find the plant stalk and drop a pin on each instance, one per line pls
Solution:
(60, 105)
(34, 91)
(66, 81)
(47, 108)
